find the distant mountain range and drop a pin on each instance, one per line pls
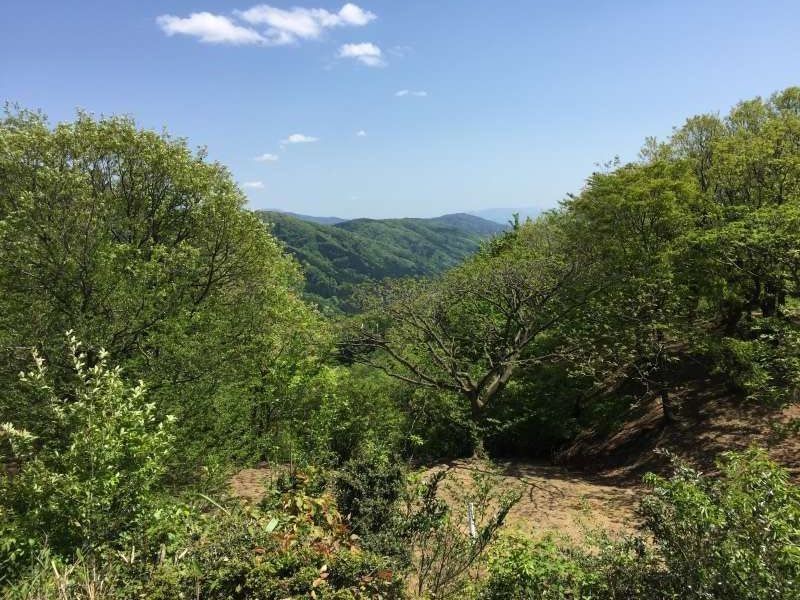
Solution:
(498, 215)
(338, 254)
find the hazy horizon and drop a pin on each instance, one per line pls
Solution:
(491, 213)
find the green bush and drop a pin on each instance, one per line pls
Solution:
(438, 426)
(535, 414)
(447, 541)
(549, 569)
(712, 538)
(732, 536)
(88, 474)
(273, 555)
(368, 485)
(295, 546)
(522, 568)
(765, 365)
(357, 407)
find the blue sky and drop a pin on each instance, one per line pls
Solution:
(508, 103)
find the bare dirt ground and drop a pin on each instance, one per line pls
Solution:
(251, 484)
(553, 499)
(601, 483)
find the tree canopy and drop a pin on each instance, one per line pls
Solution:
(143, 248)
(469, 330)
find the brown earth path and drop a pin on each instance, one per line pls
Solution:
(553, 499)
(601, 487)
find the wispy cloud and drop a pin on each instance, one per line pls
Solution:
(366, 53)
(299, 138)
(253, 185)
(290, 26)
(264, 24)
(416, 93)
(361, 133)
(209, 28)
(267, 157)
(400, 51)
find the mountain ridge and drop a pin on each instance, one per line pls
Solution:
(338, 257)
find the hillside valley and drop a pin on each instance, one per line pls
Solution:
(338, 255)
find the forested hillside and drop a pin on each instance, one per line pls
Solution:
(310, 218)
(336, 257)
(178, 421)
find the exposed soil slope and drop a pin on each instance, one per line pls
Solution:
(710, 420)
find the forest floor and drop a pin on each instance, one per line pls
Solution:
(710, 420)
(599, 483)
(553, 500)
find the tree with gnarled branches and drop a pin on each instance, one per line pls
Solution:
(469, 330)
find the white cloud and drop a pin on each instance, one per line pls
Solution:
(350, 14)
(253, 185)
(209, 28)
(416, 93)
(299, 138)
(400, 51)
(267, 157)
(367, 53)
(290, 26)
(361, 133)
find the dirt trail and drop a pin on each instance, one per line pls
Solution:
(555, 500)
(602, 487)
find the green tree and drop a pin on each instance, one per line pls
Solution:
(632, 217)
(144, 248)
(469, 330)
(738, 262)
(741, 254)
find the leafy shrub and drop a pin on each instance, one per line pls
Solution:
(254, 554)
(88, 475)
(732, 536)
(523, 568)
(738, 360)
(295, 546)
(549, 569)
(438, 426)
(368, 487)
(356, 408)
(408, 519)
(535, 414)
(765, 365)
(735, 536)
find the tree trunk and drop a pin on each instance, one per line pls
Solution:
(769, 300)
(667, 407)
(577, 408)
(476, 404)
